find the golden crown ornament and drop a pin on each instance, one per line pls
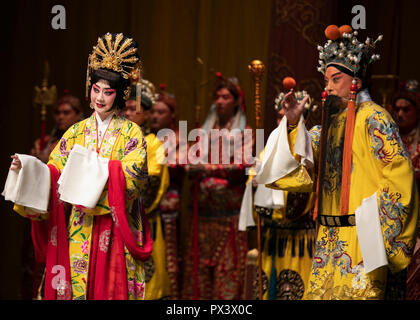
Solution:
(114, 52)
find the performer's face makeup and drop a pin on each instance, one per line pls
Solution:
(337, 83)
(102, 98)
(405, 114)
(65, 116)
(161, 116)
(225, 103)
(131, 113)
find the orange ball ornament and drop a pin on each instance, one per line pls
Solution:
(332, 32)
(345, 29)
(289, 83)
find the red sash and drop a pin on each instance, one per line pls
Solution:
(107, 270)
(54, 248)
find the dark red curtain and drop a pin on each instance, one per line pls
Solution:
(297, 27)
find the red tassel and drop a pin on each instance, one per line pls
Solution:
(347, 153)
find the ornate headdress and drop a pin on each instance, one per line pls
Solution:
(117, 53)
(148, 93)
(344, 50)
(290, 83)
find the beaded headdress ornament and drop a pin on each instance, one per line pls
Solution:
(343, 49)
(290, 83)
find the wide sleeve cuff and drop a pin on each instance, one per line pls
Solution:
(278, 159)
(30, 186)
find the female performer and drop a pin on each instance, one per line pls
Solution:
(99, 254)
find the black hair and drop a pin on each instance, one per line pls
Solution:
(115, 80)
(226, 84)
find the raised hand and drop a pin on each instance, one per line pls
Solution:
(293, 109)
(16, 164)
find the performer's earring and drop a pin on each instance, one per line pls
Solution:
(91, 106)
(353, 86)
(324, 95)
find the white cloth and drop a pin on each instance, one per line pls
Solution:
(369, 234)
(83, 178)
(263, 197)
(30, 186)
(246, 218)
(278, 161)
(102, 126)
(268, 198)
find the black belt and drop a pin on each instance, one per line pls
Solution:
(264, 212)
(266, 215)
(337, 221)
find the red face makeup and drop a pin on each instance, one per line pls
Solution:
(337, 83)
(102, 98)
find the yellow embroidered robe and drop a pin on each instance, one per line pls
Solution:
(124, 141)
(157, 278)
(381, 164)
(287, 245)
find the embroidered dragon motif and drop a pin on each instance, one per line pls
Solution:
(382, 131)
(391, 213)
(331, 247)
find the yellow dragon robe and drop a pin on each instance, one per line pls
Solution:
(381, 165)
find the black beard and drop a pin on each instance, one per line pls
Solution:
(333, 103)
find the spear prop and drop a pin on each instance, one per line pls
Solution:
(257, 69)
(44, 96)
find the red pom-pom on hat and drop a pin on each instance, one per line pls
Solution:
(345, 29)
(289, 83)
(218, 75)
(332, 32)
(66, 91)
(162, 86)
